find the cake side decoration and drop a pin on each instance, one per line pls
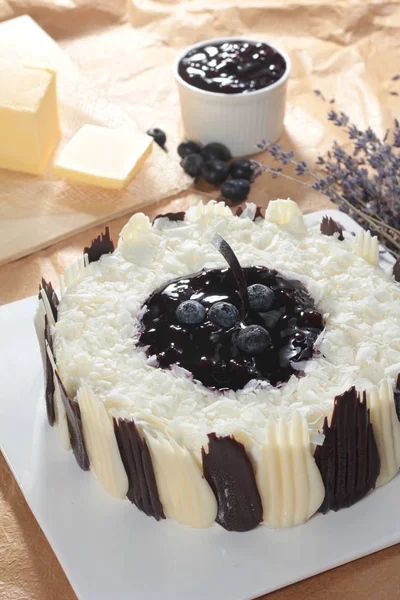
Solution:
(171, 216)
(396, 270)
(75, 427)
(50, 300)
(73, 273)
(397, 396)
(329, 227)
(103, 244)
(348, 459)
(49, 378)
(230, 474)
(366, 246)
(142, 490)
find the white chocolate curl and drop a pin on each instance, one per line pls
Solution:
(101, 444)
(366, 246)
(386, 426)
(288, 478)
(184, 493)
(286, 214)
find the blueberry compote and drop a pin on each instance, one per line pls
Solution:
(233, 67)
(198, 323)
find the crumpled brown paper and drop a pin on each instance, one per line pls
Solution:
(349, 49)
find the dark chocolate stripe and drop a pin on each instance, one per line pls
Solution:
(172, 216)
(396, 270)
(51, 416)
(329, 227)
(75, 427)
(230, 474)
(348, 459)
(138, 465)
(397, 397)
(51, 296)
(103, 244)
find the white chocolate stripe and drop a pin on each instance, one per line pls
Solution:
(184, 493)
(73, 273)
(39, 322)
(59, 408)
(101, 444)
(47, 307)
(287, 214)
(366, 246)
(386, 429)
(288, 479)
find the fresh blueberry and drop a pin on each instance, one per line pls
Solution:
(215, 171)
(190, 312)
(241, 169)
(236, 190)
(261, 297)
(192, 164)
(159, 136)
(224, 314)
(253, 339)
(214, 151)
(187, 147)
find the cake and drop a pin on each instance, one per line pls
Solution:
(242, 369)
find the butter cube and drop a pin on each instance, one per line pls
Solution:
(110, 158)
(29, 122)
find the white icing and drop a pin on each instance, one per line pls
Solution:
(288, 479)
(386, 426)
(366, 246)
(59, 408)
(73, 273)
(101, 444)
(184, 493)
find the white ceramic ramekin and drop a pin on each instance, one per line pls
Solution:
(239, 121)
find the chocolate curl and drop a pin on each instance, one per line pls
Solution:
(397, 397)
(259, 214)
(329, 227)
(51, 296)
(230, 475)
(172, 216)
(75, 427)
(396, 270)
(239, 211)
(224, 248)
(103, 244)
(138, 465)
(49, 375)
(348, 459)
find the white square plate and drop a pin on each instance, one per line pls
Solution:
(109, 550)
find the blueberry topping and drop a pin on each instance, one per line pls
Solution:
(236, 190)
(215, 171)
(261, 297)
(192, 164)
(187, 147)
(253, 339)
(190, 312)
(241, 169)
(159, 136)
(215, 150)
(224, 314)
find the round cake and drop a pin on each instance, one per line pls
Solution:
(242, 369)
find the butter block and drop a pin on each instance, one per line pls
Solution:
(29, 121)
(110, 158)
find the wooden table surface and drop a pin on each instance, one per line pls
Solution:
(28, 566)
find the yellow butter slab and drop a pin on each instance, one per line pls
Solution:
(29, 121)
(101, 156)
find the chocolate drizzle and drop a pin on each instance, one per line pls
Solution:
(329, 227)
(75, 427)
(396, 270)
(348, 459)
(397, 397)
(103, 244)
(138, 465)
(51, 296)
(172, 216)
(229, 472)
(49, 394)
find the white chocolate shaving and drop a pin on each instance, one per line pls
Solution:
(386, 429)
(366, 246)
(287, 214)
(211, 209)
(288, 478)
(73, 273)
(101, 444)
(59, 408)
(184, 493)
